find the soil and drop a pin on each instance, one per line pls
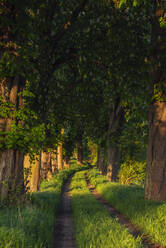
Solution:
(134, 230)
(64, 228)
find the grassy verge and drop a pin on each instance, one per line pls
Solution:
(94, 228)
(31, 226)
(150, 216)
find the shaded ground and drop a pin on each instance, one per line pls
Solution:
(135, 231)
(64, 229)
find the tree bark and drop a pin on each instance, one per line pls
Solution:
(101, 163)
(155, 187)
(45, 165)
(155, 183)
(114, 130)
(11, 161)
(98, 157)
(11, 175)
(60, 156)
(60, 152)
(35, 181)
(33, 170)
(67, 162)
(80, 151)
(113, 163)
(54, 164)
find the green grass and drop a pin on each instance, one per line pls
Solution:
(31, 225)
(150, 216)
(94, 228)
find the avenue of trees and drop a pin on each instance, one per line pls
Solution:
(80, 76)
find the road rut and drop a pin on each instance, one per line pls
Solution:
(64, 228)
(135, 231)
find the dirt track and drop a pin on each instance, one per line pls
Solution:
(64, 229)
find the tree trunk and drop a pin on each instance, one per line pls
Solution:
(67, 162)
(98, 157)
(60, 151)
(35, 181)
(32, 175)
(113, 166)
(155, 183)
(101, 163)
(60, 156)
(11, 161)
(11, 175)
(54, 164)
(155, 188)
(45, 165)
(27, 173)
(80, 151)
(114, 130)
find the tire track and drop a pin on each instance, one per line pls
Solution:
(64, 228)
(134, 230)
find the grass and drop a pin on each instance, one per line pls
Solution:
(150, 216)
(31, 225)
(94, 228)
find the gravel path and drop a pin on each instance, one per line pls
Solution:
(64, 229)
(135, 231)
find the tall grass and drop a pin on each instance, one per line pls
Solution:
(31, 225)
(150, 216)
(94, 228)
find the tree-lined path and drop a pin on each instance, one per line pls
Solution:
(64, 235)
(81, 82)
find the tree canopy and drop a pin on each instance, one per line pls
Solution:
(91, 68)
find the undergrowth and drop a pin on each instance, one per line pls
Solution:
(150, 216)
(94, 227)
(31, 225)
